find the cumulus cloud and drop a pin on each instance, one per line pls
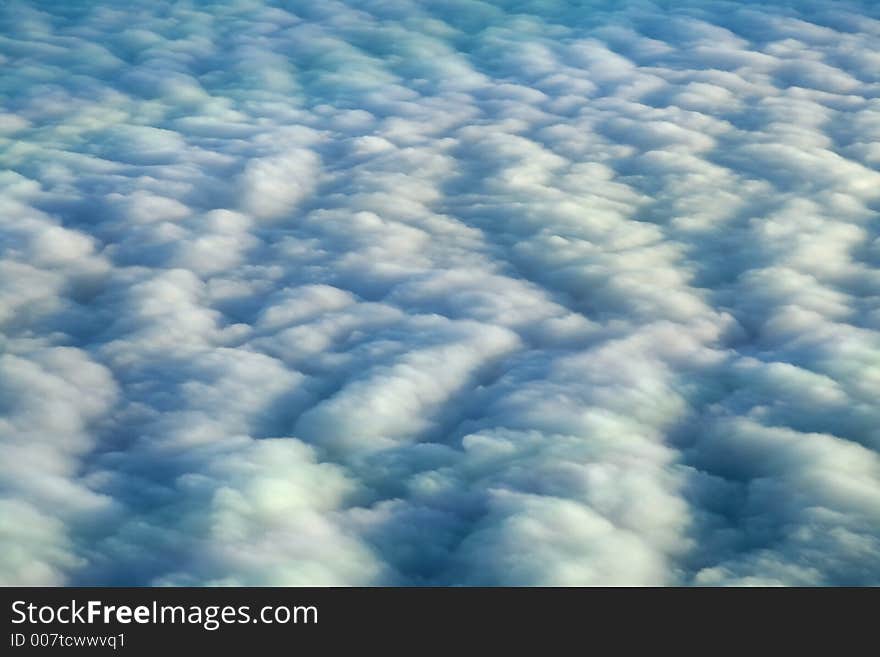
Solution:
(423, 292)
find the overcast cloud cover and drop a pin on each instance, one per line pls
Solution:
(439, 292)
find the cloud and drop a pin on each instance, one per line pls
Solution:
(439, 293)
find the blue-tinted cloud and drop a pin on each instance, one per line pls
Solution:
(430, 292)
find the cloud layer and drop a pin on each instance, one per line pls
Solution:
(428, 293)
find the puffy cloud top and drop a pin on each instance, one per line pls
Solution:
(426, 292)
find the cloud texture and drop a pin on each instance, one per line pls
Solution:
(424, 292)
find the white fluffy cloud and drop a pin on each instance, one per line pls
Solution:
(424, 292)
